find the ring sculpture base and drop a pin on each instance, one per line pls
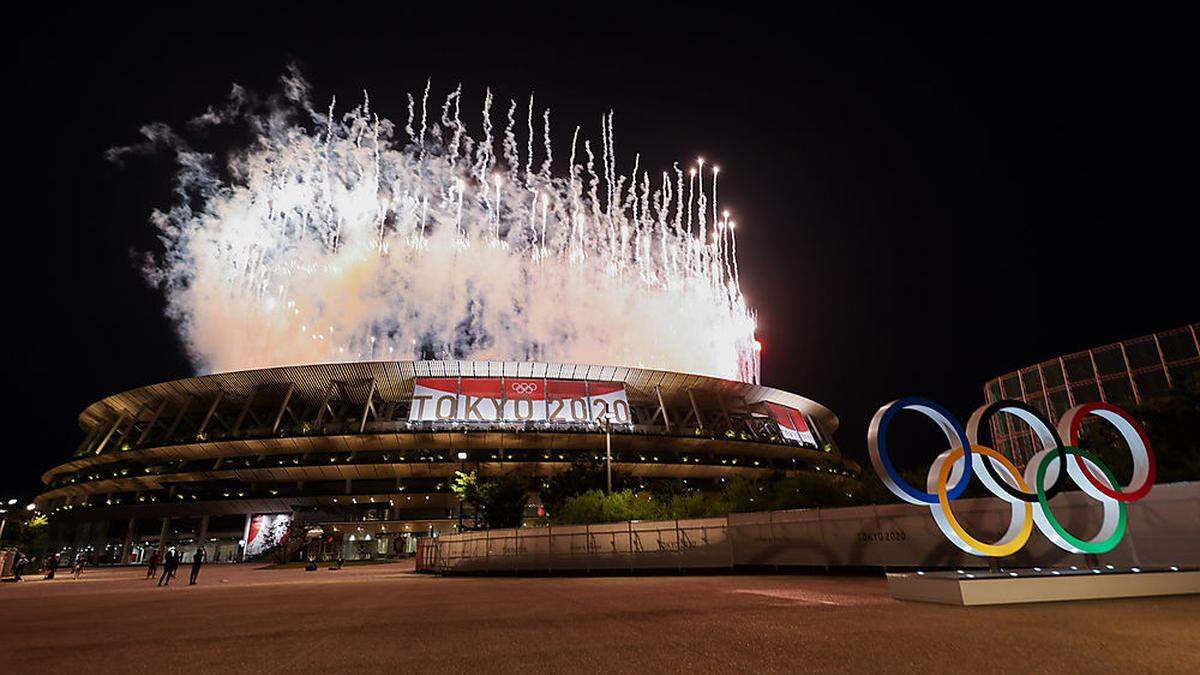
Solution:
(1012, 586)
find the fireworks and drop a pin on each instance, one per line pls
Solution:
(336, 236)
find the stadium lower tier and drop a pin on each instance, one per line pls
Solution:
(366, 451)
(119, 511)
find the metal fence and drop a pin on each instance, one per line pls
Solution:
(1164, 529)
(672, 544)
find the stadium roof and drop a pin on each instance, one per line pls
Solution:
(393, 380)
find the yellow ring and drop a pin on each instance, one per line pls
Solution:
(994, 550)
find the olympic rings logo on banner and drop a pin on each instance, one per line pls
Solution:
(524, 387)
(1029, 494)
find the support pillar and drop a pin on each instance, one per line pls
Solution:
(162, 536)
(130, 534)
(99, 539)
(202, 533)
(83, 531)
(54, 542)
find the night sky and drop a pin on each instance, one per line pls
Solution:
(924, 200)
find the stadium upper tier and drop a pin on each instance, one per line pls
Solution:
(380, 427)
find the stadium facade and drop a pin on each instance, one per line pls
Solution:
(366, 451)
(1125, 373)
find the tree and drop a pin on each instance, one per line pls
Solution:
(28, 535)
(582, 476)
(495, 502)
(596, 506)
(806, 491)
(738, 495)
(469, 491)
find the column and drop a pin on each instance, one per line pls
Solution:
(100, 539)
(162, 535)
(202, 533)
(83, 532)
(54, 541)
(130, 533)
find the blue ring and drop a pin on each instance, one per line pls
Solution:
(881, 442)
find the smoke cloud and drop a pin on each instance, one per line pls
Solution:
(336, 236)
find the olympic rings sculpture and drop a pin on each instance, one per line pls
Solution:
(1029, 494)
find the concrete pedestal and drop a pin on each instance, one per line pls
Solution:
(983, 587)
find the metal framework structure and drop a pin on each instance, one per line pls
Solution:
(1124, 373)
(337, 438)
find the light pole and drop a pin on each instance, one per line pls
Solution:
(462, 469)
(607, 450)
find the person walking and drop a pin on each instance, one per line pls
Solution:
(19, 566)
(169, 564)
(198, 559)
(51, 566)
(77, 568)
(153, 564)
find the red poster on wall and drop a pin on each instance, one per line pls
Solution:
(792, 424)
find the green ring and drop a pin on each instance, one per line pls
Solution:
(1085, 546)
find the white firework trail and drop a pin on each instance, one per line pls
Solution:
(327, 238)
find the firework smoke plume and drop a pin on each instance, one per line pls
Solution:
(336, 236)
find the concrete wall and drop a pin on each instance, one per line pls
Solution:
(1163, 529)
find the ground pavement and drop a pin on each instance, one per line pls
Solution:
(385, 618)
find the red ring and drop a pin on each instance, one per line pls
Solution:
(1076, 421)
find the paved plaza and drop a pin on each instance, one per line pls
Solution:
(386, 618)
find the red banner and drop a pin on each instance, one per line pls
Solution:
(792, 424)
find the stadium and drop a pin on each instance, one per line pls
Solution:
(365, 450)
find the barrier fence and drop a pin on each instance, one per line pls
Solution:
(1164, 529)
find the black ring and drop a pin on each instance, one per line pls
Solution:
(984, 414)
